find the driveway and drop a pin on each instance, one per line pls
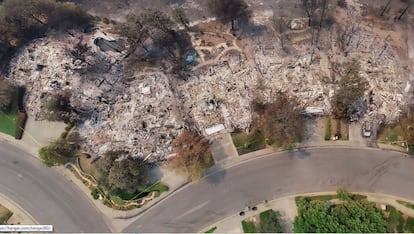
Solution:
(229, 191)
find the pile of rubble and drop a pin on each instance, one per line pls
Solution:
(138, 115)
(221, 93)
(144, 112)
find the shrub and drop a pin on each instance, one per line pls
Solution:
(409, 225)
(248, 227)
(64, 135)
(5, 217)
(21, 122)
(328, 129)
(44, 155)
(95, 193)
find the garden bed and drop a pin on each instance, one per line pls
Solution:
(246, 143)
(5, 214)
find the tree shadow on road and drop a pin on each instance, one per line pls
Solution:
(299, 153)
(216, 174)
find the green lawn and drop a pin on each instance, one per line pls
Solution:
(265, 214)
(390, 134)
(87, 166)
(318, 197)
(409, 225)
(5, 214)
(117, 200)
(394, 220)
(327, 129)
(246, 143)
(139, 194)
(328, 197)
(248, 227)
(406, 204)
(8, 122)
(211, 230)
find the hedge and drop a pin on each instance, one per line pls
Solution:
(21, 123)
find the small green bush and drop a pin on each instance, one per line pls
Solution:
(409, 225)
(95, 193)
(44, 155)
(21, 122)
(211, 230)
(328, 129)
(406, 204)
(269, 141)
(248, 227)
(64, 135)
(5, 217)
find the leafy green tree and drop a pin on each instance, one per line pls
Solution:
(60, 151)
(128, 175)
(229, 10)
(348, 216)
(343, 195)
(272, 223)
(351, 88)
(104, 165)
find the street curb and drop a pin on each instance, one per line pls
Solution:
(240, 160)
(13, 206)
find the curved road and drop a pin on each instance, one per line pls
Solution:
(227, 192)
(45, 194)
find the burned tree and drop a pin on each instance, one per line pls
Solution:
(385, 8)
(310, 7)
(135, 33)
(345, 35)
(279, 23)
(404, 10)
(281, 120)
(351, 88)
(193, 154)
(229, 10)
(180, 17)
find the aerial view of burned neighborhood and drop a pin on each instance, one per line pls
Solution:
(226, 116)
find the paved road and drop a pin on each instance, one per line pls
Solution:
(45, 194)
(227, 192)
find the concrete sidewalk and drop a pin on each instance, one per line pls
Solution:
(287, 207)
(20, 215)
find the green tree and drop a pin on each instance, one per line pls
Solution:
(128, 175)
(104, 165)
(343, 195)
(229, 10)
(351, 88)
(271, 223)
(348, 216)
(60, 151)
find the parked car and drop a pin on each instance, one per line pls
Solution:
(367, 129)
